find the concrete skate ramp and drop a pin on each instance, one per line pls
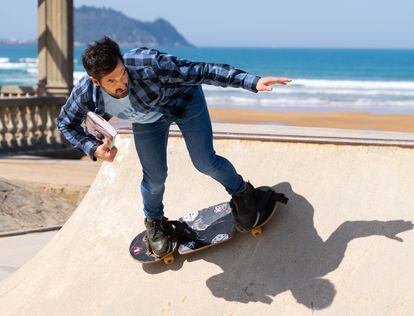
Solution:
(343, 245)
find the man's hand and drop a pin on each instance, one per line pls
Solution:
(265, 83)
(104, 153)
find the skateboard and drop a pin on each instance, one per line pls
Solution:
(206, 228)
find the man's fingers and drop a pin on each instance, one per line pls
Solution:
(111, 152)
(272, 80)
(286, 81)
(265, 84)
(265, 87)
(105, 145)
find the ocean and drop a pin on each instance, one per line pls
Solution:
(324, 80)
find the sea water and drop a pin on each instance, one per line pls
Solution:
(377, 81)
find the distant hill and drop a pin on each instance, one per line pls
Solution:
(92, 23)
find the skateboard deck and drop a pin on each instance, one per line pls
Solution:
(209, 227)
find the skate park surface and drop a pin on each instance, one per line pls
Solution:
(343, 245)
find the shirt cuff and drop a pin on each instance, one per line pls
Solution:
(250, 82)
(90, 149)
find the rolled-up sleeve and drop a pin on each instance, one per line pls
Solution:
(69, 121)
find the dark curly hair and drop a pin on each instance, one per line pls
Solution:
(101, 57)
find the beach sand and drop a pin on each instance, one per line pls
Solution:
(341, 120)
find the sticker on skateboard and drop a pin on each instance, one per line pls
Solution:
(139, 251)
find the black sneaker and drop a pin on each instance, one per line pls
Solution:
(158, 240)
(244, 208)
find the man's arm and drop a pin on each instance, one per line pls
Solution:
(69, 123)
(172, 69)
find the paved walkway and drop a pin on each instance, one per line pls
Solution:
(48, 170)
(16, 251)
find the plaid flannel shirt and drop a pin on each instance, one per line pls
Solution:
(156, 82)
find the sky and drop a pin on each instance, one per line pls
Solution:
(265, 23)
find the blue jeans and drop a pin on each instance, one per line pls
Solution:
(151, 145)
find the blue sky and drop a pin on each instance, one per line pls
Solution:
(266, 23)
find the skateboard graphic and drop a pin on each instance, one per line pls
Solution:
(139, 250)
(205, 228)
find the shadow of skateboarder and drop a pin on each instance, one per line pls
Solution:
(289, 256)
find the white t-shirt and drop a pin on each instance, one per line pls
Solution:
(123, 109)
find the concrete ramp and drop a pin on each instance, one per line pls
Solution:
(344, 245)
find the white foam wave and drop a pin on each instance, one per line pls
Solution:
(77, 75)
(29, 81)
(32, 70)
(216, 88)
(13, 65)
(20, 64)
(336, 84)
(28, 60)
(360, 103)
(368, 92)
(354, 84)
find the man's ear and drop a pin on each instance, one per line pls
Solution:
(95, 81)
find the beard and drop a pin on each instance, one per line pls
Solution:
(120, 93)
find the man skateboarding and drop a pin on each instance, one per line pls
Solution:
(152, 89)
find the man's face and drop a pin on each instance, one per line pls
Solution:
(115, 83)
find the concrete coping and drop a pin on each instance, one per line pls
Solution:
(295, 134)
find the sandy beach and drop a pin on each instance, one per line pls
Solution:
(341, 120)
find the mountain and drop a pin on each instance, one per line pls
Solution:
(91, 23)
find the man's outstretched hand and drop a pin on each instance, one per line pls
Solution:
(104, 153)
(265, 83)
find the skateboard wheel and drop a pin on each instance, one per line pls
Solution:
(256, 231)
(169, 259)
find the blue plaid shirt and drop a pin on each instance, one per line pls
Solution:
(157, 82)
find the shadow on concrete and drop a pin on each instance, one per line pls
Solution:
(289, 256)
(9, 269)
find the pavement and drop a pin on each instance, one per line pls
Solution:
(48, 170)
(342, 246)
(16, 251)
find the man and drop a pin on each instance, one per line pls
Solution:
(153, 89)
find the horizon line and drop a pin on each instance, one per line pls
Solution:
(30, 42)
